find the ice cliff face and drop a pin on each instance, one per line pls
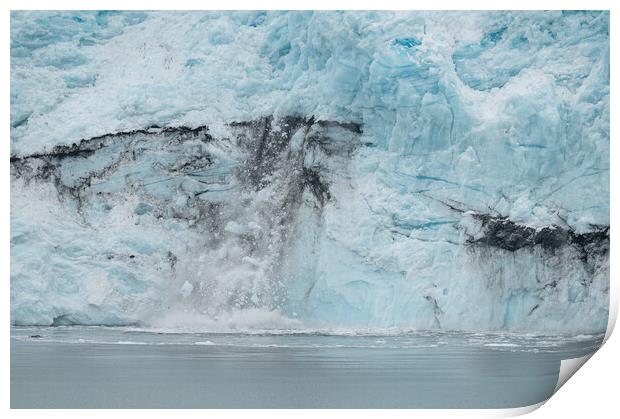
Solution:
(422, 170)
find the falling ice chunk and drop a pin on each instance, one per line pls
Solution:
(186, 289)
(235, 228)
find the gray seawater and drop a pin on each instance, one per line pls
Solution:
(101, 367)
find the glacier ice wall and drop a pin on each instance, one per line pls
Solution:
(437, 170)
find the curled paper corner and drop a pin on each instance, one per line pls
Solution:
(517, 411)
(568, 368)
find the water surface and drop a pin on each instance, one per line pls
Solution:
(99, 367)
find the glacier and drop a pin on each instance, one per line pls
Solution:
(420, 170)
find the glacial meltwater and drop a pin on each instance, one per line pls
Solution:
(122, 367)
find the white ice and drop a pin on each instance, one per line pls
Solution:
(502, 112)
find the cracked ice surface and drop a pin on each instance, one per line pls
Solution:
(504, 114)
